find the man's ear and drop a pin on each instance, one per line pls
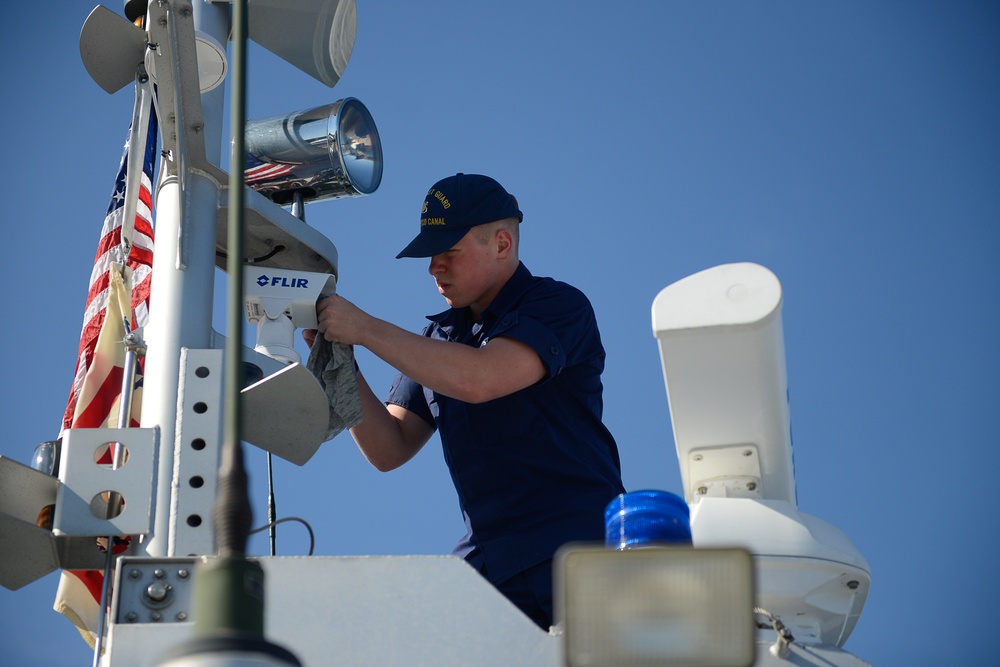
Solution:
(505, 243)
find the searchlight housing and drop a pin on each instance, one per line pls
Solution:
(327, 152)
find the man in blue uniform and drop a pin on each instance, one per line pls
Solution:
(510, 376)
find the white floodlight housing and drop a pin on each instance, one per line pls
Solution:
(722, 351)
(655, 606)
(278, 301)
(317, 36)
(328, 152)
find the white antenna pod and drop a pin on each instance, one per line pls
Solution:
(723, 357)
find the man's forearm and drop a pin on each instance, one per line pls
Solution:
(448, 368)
(383, 438)
(470, 374)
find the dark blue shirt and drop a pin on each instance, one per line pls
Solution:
(534, 469)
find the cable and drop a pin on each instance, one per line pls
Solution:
(253, 260)
(779, 649)
(312, 537)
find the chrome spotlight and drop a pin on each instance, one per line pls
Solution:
(323, 153)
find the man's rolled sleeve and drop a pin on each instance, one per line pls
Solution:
(409, 395)
(537, 336)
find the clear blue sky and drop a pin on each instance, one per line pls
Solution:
(853, 148)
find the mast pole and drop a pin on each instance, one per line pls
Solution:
(182, 289)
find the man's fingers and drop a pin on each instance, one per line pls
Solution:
(309, 336)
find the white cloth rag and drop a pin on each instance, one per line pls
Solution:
(332, 364)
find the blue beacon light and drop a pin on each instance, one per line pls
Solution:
(646, 518)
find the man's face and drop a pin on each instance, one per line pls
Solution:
(468, 274)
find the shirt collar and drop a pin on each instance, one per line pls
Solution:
(512, 289)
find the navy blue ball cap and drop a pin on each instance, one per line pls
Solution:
(453, 206)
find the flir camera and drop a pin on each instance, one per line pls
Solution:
(280, 301)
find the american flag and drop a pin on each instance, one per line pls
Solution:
(117, 302)
(95, 412)
(257, 171)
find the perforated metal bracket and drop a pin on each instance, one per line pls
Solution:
(82, 498)
(196, 451)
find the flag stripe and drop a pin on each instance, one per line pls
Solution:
(101, 405)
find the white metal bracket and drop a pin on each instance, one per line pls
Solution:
(196, 451)
(727, 472)
(81, 499)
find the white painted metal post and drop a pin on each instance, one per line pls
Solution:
(181, 298)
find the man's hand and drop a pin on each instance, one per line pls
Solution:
(340, 321)
(309, 336)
